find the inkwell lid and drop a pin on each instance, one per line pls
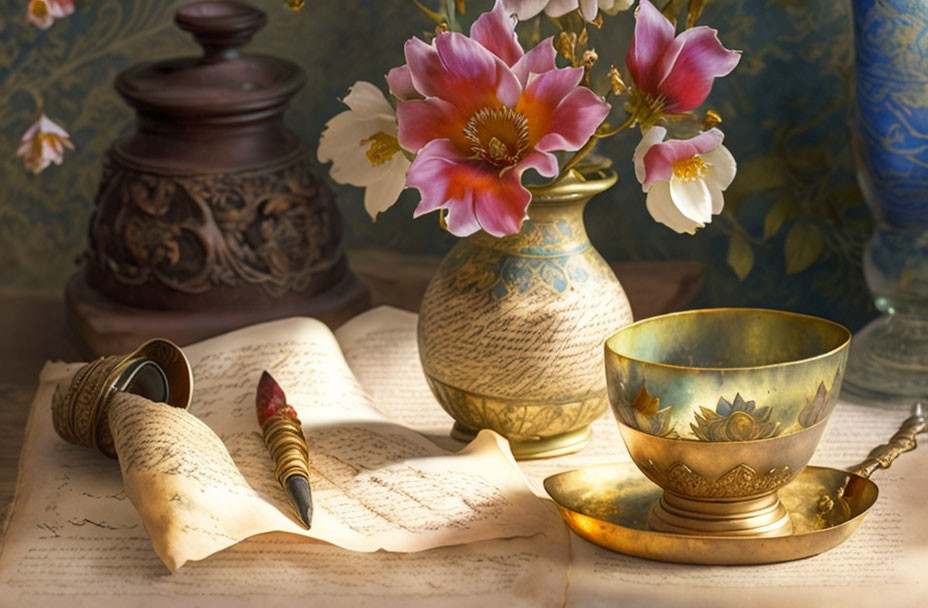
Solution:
(224, 81)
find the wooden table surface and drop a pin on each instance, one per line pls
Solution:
(34, 329)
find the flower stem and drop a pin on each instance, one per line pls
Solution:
(590, 143)
(436, 17)
(629, 121)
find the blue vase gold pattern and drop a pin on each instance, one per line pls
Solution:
(892, 99)
(889, 357)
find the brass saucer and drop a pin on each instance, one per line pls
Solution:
(610, 505)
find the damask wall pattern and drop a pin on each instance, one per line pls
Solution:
(791, 235)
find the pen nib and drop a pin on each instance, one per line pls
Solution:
(302, 499)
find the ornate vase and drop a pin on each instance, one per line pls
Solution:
(208, 217)
(889, 357)
(511, 330)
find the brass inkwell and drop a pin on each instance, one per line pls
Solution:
(157, 370)
(721, 410)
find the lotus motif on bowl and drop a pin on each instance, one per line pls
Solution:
(734, 421)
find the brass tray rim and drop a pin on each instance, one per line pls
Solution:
(831, 536)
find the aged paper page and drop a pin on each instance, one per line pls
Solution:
(885, 562)
(380, 348)
(376, 484)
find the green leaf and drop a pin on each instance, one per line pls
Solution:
(782, 210)
(740, 256)
(804, 245)
(756, 174)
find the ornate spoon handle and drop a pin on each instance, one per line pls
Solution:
(881, 457)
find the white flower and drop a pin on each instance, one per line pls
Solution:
(42, 13)
(363, 148)
(526, 9)
(684, 179)
(43, 143)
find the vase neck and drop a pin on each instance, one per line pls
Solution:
(553, 228)
(555, 217)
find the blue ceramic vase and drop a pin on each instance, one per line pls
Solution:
(889, 357)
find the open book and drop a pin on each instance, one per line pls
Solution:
(74, 538)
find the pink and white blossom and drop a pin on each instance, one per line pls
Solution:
(362, 145)
(489, 112)
(684, 179)
(42, 13)
(42, 144)
(526, 9)
(673, 74)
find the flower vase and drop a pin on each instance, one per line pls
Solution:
(511, 329)
(889, 357)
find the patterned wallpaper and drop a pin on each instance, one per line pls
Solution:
(793, 229)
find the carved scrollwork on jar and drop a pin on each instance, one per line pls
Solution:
(275, 229)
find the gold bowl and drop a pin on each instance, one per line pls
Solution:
(723, 407)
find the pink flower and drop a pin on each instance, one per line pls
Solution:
(490, 111)
(684, 179)
(42, 13)
(42, 144)
(526, 9)
(673, 74)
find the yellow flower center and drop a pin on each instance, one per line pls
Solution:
(38, 144)
(690, 169)
(39, 8)
(382, 148)
(498, 135)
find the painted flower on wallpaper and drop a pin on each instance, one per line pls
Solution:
(43, 143)
(42, 13)
(490, 111)
(684, 179)
(362, 145)
(526, 9)
(673, 74)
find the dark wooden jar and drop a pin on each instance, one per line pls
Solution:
(208, 216)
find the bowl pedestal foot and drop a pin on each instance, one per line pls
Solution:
(761, 516)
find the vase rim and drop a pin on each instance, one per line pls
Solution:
(589, 183)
